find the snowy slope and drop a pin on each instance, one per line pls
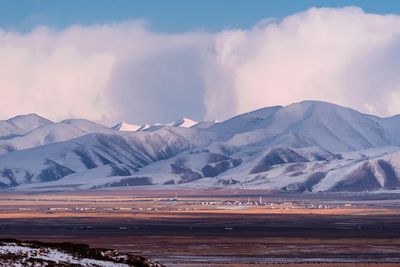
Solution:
(204, 124)
(246, 122)
(33, 253)
(307, 146)
(51, 133)
(127, 127)
(184, 122)
(123, 126)
(86, 125)
(309, 123)
(29, 122)
(8, 129)
(281, 169)
(123, 153)
(21, 124)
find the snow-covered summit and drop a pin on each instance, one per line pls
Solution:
(308, 123)
(184, 122)
(21, 124)
(29, 122)
(127, 127)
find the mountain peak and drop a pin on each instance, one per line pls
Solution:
(318, 105)
(124, 126)
(28, 122)
(29, 115)
(183, 122)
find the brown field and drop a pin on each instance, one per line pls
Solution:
(352, 231)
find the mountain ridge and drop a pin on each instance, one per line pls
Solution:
(310, 146)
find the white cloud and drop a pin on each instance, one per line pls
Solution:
(340, 55)
(126, 72)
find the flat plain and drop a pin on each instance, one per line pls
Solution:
(215, 228)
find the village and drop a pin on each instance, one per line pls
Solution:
(288, 204)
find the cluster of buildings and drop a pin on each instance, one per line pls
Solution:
(283, 204)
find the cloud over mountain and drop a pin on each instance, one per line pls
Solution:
(126, 72)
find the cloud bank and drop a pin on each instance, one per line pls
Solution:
(125, 72)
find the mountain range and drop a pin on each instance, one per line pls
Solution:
(310, 146)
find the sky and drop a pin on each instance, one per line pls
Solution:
(157, 61)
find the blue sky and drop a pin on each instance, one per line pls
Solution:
(165, 16)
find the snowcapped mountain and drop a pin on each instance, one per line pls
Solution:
(47, 133)
(123, 126)
(204, 124)
(184, 122)
(29, 122)
(20, 125)
(126, 127)
(125, 154)
(86, 125)
(309, 146)
(309, 123)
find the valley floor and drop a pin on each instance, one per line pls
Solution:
(215, 228)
